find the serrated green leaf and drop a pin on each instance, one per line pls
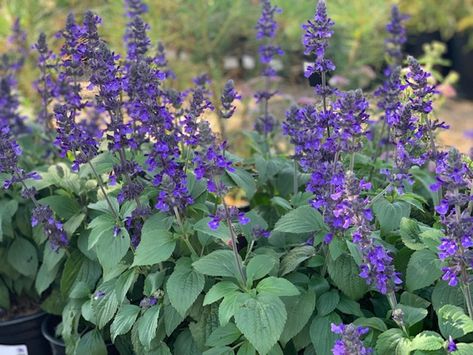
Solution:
(124, 320)
(412, 315)
(217, 263)
(183, 287)
(299, 311)
(454, 322)
(261, 319)
(304, 219)
(321, 335)
(327, 302)
(410, 234)
(276, 286)
(390, 214)
(392, 341)
(259, 266)
(427, 340)
(218, 291)
(147, 325)
(244, 180)
(373, 323)
(345, 275)
(295, 257)
(155, 246)
(23, 256)
(423, 269)
(224, 335)
(91, 343)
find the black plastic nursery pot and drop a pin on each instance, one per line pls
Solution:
(57, 346)
(22, 336)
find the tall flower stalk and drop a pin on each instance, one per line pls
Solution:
(266, 31)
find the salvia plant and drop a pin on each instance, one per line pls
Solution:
(115, 209)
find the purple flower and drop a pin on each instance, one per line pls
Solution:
(229, 95)
(317, 33)
(349, 342)
(229, 213)
(397, 38)
(451, 346)
(455, 249)
(266, 31)
(53, 229)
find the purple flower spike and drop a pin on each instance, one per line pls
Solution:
(349, 342)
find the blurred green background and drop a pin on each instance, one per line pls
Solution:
(205, 35)
(202, 32)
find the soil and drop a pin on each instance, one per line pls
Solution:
(21, 307)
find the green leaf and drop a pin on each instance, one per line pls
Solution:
(348, 306)
(295, 257)
(464, 349)
(444, 294)
(373, 323)
(74, 223)
(4, 295)
(276, 286)
(76, 269)
(153, 282)
(304, 219)
(221, 232)
(217, 263)
(223, 335)
(454, 322)
(64, 207)
(327, 302)
(412, 315)
(321, 335)
(45, 277)
(423, 269)
(155, 246)
(103, 206)
(245, 181)
(259, 266)
(221, 350)
(185, 344)
(261, 319)
(299, 311)
(104, 303)
(111, 249)
(124, 320)
(427, 340)
(392, 341)
(183, 287)
(410, 299)
(227, 307)
(390, 214)
(148, 324)
(218, 291)
(172, 318)
(91, 343)
(7, 211)
(246, 349)
(22, 255)
(344, 273)
(410, 234)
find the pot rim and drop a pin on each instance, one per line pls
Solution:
(22, 319)
(49, 337)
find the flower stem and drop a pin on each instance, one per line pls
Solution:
(295, 182)
(185, 238)
(102, 188)
(234, 243)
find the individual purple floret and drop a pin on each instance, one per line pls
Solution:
(53, 229)
(451, 345)
(221, 215)
(349, 342)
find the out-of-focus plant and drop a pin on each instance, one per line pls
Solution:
(433, 61)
